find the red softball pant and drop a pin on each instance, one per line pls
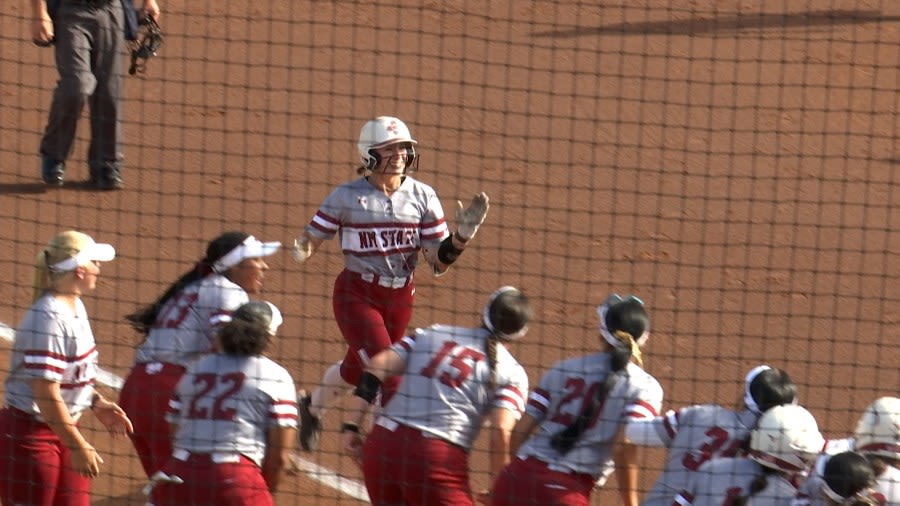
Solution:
(145, 398)
(207, 482)
(35, 467)
(371, 318)
(404, 468)
(531, 482)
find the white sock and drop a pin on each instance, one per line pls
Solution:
(329, 391)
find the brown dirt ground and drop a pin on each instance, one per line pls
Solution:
(733, 162)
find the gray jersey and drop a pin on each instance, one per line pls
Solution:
(382, 234)
(693, 436)
(186, 326)
(719, 481)
(226, 403)
(887, 486)
(559, 399)
(57, 345)
(445, 386)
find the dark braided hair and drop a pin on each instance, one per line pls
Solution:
(144, 319)
(627, 320)
(507, 313)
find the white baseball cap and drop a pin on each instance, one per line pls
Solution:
(251, 247)
(70, 250)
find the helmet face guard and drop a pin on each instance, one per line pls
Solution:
(381, 132)
(878, 429)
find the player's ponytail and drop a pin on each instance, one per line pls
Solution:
(620, 321)
(505, 316)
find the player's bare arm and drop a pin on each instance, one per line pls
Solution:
(280, 442)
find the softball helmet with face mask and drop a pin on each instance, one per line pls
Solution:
(878, 429)
(385, 131)
(787, 438)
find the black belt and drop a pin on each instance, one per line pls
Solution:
(88, 3)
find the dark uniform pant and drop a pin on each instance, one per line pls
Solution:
(89, 44)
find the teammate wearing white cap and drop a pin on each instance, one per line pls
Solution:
(454, 378)
(46, 459)
(699, 433)
(180, 327)
(571, 437)
(384, 220)
(234, 417)
(782, 447)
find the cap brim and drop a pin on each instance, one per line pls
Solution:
(261, 249)
(100, 252)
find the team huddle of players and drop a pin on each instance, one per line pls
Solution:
(214, 421)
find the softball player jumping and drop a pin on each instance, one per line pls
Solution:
(699, 433)
(234, 416)
(180, 327)
(384, 219)
(782, 447)
(44, 458)
(453, 379)
(877, 438)
(574, 422)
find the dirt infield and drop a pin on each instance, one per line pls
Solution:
(734, 163)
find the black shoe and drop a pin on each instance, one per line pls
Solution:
(310, 426)
(107, 180)
(52, 171)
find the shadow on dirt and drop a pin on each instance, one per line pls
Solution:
(714, 25)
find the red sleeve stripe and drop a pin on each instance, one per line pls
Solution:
(72, 386)
(57, 356)
(670, 423)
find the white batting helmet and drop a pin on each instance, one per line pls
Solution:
(878, 429)
(787, 438)
(380, 132)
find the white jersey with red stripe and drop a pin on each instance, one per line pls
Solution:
(559, 398)
(55, 344)
(186, 326)
(722, 481)
(226, 403)
(693, 436)
(382, 234)
(445, 386)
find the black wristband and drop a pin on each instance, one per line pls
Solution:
(349, 427)
(368, 387)
(447, 252)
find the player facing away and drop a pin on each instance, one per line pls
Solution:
(454, 380)
(877, 438)
(234, 417)
(845, 479)
(572, 434)
(383, 219)
(180, 327)
(782, 447)
(696, 434)
(45, 458)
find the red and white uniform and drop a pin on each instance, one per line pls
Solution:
(721, 481)
(184, 331)
(224, 406)
(695, 435)
(886, 488)
(417, 452)
(540, 474)
(381, 237)
(57, 345)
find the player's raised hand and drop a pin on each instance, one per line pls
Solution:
(468, 219)
(302, 250)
